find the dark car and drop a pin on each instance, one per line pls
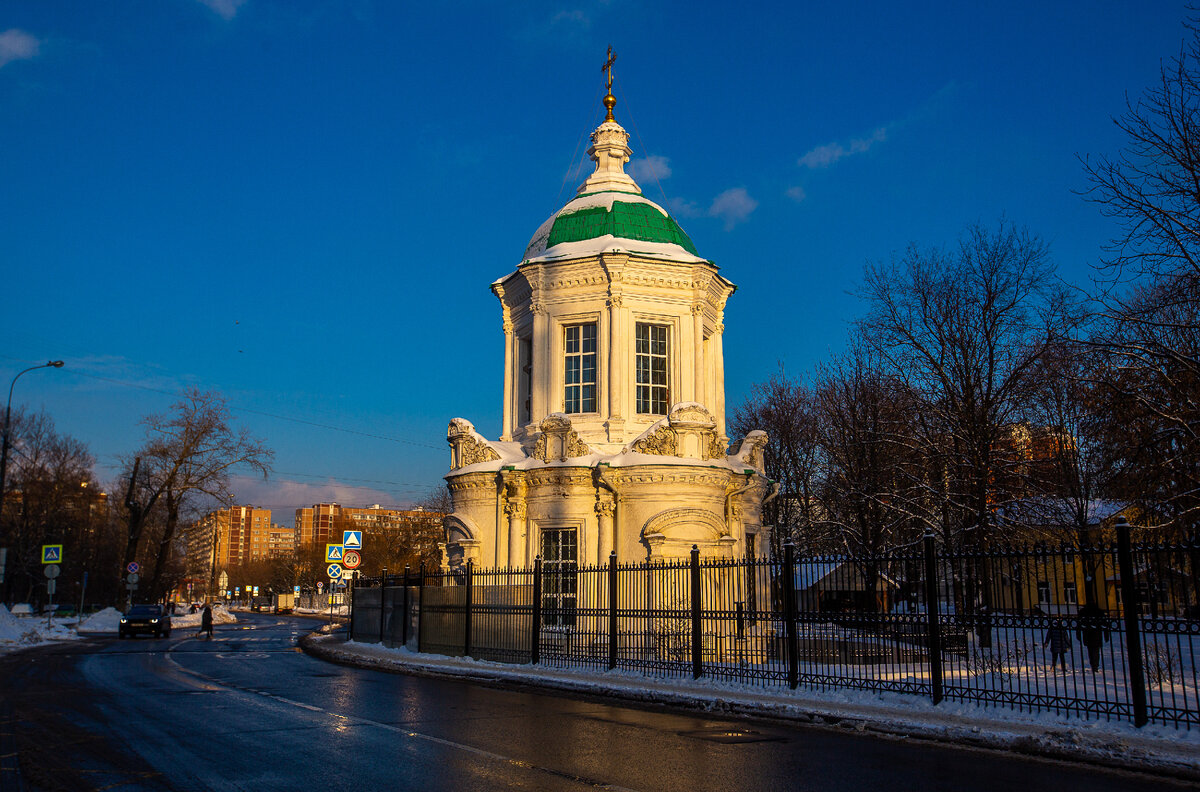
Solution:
(146, 618)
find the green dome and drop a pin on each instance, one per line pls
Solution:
(619, 215)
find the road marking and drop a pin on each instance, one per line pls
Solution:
(399, 730)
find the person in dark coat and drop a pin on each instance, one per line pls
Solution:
(206, 625)
(1093, 631)
(1058, 638)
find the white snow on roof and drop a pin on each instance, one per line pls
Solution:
(536, 250)
(608, 243)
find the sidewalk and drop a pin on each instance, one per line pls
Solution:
(1153, 749)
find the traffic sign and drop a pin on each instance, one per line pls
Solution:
(51, 571)
(133, 577)
(333, 552)
(133, 568)
(295, 589)
(320, 585)
(351, 559)
(51, 554)
(334, 571)
(352, 539)
(51, 585)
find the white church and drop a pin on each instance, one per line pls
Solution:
(613, 435)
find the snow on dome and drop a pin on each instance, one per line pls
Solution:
(615, 215)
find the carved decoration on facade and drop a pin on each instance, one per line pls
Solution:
(716, 449)
(474, 452)
(752, 449)
(660, 442)
(605, 506)
(669, 522)
(558, 441)
(467, 447)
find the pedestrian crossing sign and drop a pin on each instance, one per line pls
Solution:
(51, 554)
(352, 539)
(333, 553)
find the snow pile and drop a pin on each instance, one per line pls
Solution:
(14, 630)
(105, 621)
(220, 616)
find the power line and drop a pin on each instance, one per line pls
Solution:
(236, 408)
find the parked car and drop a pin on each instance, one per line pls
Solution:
(145, 618)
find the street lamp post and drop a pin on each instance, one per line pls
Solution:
(4, 452)
(8, 424)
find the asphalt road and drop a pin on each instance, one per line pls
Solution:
(250, 711)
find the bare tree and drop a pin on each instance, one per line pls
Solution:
(190, 451)
(784, 409)
(965, 328)
(868, 435)
(1149, 328)
(54, 495)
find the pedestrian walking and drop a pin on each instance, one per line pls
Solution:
(1093, 632)
(1058, 638)
(206, 625)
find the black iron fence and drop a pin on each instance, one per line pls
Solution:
(1107, 631)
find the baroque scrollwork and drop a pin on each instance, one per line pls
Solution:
(660, 442)
(716, 449)
(474, 451)
(558, 441)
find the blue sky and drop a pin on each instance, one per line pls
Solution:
(302, 204)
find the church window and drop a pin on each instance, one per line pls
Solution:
(580, 359)
(559, 578)
(525, 360)
(652, 391)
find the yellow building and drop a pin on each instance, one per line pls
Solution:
(316, 523)
(230, 537)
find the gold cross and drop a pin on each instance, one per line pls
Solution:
(607, 67)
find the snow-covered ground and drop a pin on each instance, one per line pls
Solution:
(17, 632)
(1114, 743)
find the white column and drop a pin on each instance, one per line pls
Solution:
(698, 350)
(510, 382)
(604, 518)
(539, 391)
(516, 521)
(719, 378)
(616, 369)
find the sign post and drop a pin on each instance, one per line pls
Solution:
(334, 571)
(51, 572)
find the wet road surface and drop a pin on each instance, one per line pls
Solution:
(250, 711)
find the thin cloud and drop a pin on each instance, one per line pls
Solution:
(826, 155)
(650, 168)
(796, 193)
(733, 206)
(16, 44)
(283, 497)
(226, 9)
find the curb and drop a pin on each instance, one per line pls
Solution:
(1049, 744)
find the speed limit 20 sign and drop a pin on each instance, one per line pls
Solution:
(351, 559)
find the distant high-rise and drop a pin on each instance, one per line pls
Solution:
(234, 536)
(316, 523)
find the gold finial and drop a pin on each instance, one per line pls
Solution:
(610, 101)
